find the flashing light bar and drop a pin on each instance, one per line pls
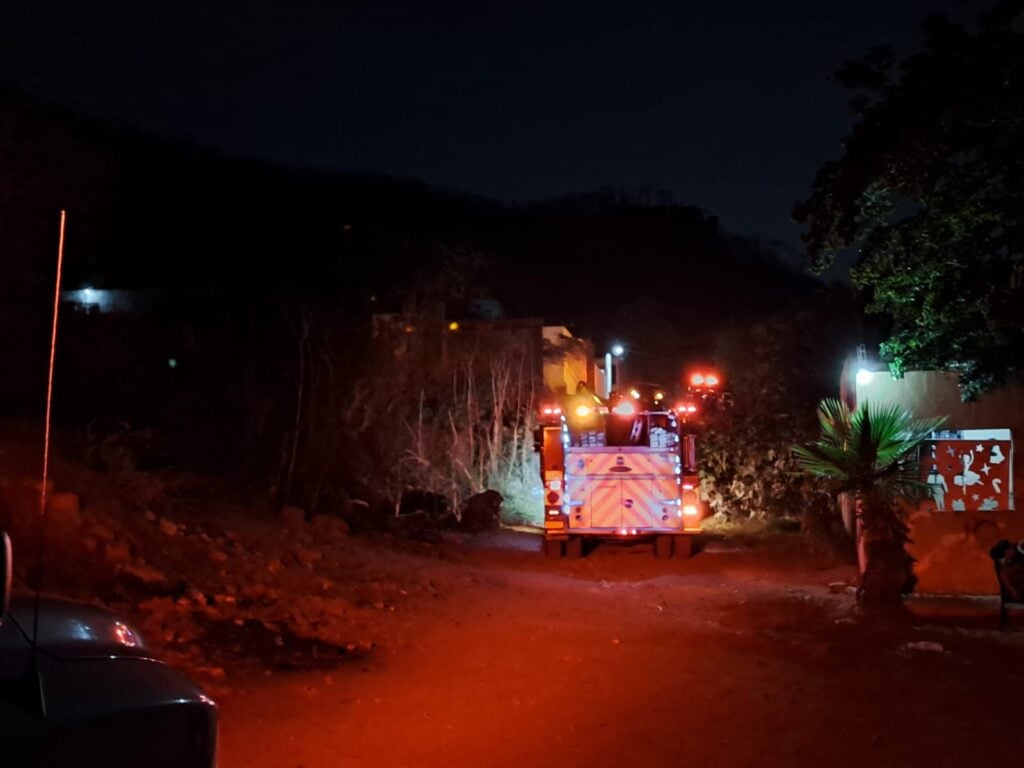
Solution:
(705, 380)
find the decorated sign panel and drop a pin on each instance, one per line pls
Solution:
(969, 470)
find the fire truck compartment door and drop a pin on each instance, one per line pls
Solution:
(640, 508)
(606, 504)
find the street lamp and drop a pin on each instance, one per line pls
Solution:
(864, 372)
(616, 350)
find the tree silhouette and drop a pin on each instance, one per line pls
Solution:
(929, 189)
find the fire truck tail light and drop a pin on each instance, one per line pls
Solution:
(687, 486)
(556, 485)
(689, 503)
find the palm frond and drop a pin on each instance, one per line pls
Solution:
(868, 450)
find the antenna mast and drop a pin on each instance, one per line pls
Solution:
(46, 431)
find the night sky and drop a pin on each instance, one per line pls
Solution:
(727, 105)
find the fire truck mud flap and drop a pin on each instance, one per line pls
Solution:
(554, 548)
(663, 546)
(684, 547)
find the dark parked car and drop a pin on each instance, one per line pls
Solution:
(88, 692)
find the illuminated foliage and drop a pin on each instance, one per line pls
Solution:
(776, 370)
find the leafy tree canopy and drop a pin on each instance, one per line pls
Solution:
(930, 189)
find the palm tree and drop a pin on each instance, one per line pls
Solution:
(871, 454)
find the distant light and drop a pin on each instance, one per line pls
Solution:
(548, 411)
(624, 408)
(659, 396)
(711, 380)
(172, 363)
(87, 295)
(453, 326)
(864, 376)
(697, 379)
(583, 411)
(557, 411)
(618, 350)
(410, 328)
(635, 394)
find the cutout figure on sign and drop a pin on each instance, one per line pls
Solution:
(937, 485)
(968, 476)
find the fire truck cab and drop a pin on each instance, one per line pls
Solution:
(618, 470)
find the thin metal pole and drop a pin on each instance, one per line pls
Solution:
(46, 431)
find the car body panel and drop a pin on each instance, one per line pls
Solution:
(90, 693)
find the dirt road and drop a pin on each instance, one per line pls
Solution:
(733, 658)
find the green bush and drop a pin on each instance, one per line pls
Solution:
(777, 368)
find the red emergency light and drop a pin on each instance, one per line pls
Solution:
(704, 380)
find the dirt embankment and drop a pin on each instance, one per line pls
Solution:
(219, 582)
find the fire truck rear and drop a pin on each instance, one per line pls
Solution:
(618, 470)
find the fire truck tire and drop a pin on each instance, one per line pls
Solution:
(684, 547)
(663, 547)
(553, 549)
(574, 548)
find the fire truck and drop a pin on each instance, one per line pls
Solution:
(620, 468)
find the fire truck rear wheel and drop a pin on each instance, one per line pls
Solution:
(574, 548)
(663, 547)
(553, 548)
